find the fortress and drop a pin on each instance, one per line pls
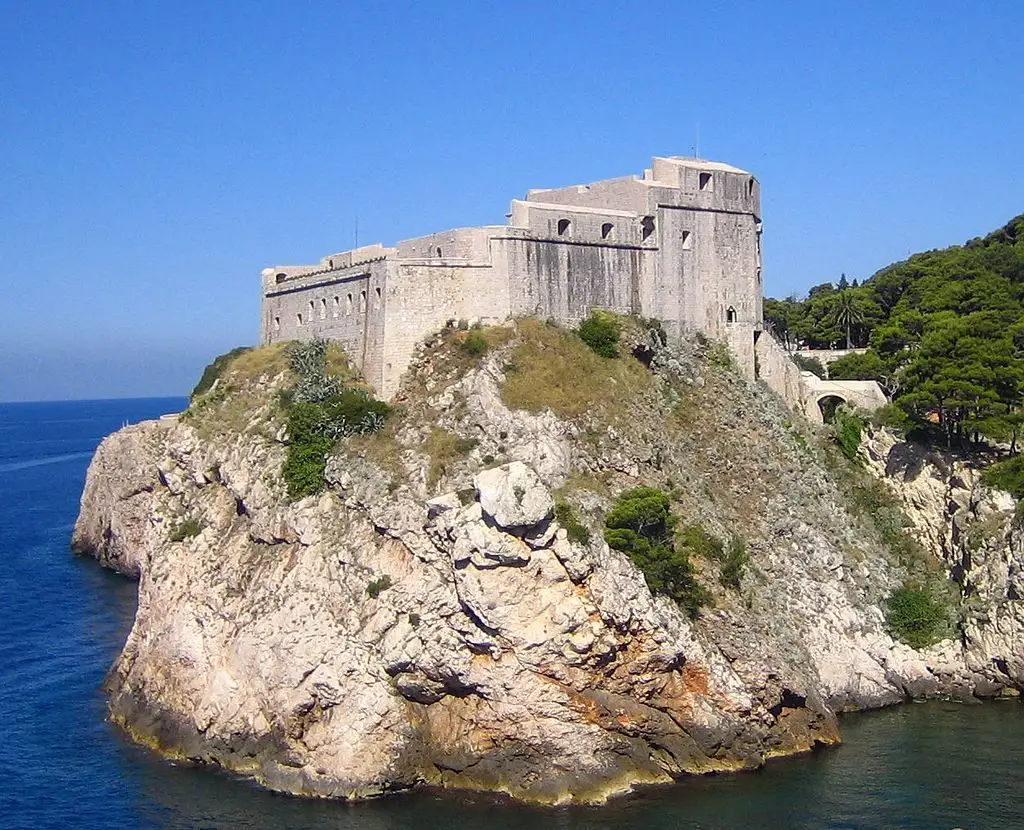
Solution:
(681, 243)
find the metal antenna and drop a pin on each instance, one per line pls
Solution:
(357, 232)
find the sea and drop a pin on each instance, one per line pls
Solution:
(63, 620)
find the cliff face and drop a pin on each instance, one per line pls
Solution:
(426, 619)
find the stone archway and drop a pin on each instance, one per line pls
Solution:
(827, 406)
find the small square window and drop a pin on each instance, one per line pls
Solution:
(707, 182)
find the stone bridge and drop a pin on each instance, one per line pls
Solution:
(821, 397)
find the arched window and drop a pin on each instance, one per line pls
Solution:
(323, 308)
(646, 227)
(438, 252)
(362, 302)
(312, 310)
(282, 277)
(335, 306)
(563, 226)
(750, 186)
(348, 304)
(606, 230)
(277, 324)
(376, 293)
(730, 315)
(298, 319)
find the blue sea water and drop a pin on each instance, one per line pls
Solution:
(63, 620)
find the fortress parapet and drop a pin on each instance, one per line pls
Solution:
(681, 243)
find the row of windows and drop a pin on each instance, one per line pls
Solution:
(607, 229)
(335, 306)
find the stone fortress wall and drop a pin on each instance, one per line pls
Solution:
(681, 243)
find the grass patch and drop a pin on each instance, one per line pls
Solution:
(551, 368)
(185, 529)
(575, 530)
(917, 616)
(445, 450)
(696, 539)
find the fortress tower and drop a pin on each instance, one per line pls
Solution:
(681, 243)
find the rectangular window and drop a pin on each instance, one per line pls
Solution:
(707, 182)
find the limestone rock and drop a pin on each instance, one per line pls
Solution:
(387, 633)
(514, 497)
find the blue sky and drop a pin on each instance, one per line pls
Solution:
(155, 156)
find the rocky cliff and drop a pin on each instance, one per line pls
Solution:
(427, 619)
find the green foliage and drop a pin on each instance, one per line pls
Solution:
(641, 526)
(321, 411)
(308, 360)
(601, 332)
(475, 344)
(213, 371)
(575, 530)
(700, 542)
(809, 364)
(185, 529)
(375, 588)
(945, 330)
(736, 558)
(916, 616)
(858, 366)
(849, 428)
(1007, 475)
(445, 449)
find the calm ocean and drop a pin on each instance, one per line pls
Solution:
(63, 620)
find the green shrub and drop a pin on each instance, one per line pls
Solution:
(475, 344)
(736, 558)
(1007, 475)
(849, 428)
(185, 529)
(916, 616)
(601, 332)
(575, 530)
(809, 364)
(375, 588)
(213, 371)
(641, 526)
(702, 543)
(320, 412)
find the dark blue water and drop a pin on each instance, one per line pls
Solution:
(63, 619)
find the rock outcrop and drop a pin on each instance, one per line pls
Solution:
(404, 628)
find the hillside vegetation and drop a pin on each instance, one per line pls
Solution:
(945, 331)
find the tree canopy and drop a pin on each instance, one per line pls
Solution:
(944, 331)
